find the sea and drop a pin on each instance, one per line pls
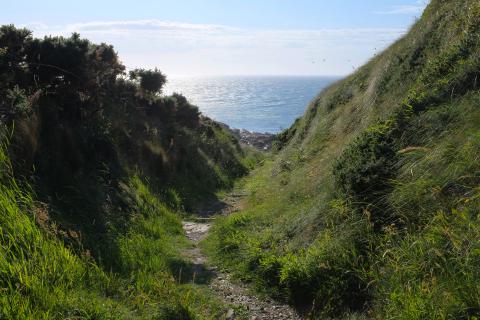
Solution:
(264, 104)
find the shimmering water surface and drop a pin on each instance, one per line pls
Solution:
(260, 104)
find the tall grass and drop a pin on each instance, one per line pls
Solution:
(40, 278)
(371, 205)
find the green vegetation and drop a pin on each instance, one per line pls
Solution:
(96, 172)
(368, 209)
(43, 279)
(371, 206)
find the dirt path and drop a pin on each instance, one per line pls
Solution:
(221, 283)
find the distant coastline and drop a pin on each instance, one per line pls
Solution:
(261, 141)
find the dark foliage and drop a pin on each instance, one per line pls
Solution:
(81, 127)
(364, 170)
(150, 81)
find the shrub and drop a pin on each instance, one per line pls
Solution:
(186, 113)
(151, 81)
(364, 170)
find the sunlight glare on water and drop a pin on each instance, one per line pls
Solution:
(255, 103)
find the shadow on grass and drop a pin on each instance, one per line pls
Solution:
(211, 206)
(189, 272)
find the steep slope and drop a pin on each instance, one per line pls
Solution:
(371, 205)
(96, 169)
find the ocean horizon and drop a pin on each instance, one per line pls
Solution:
(265, 104)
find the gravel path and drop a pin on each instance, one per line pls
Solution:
(221, 284)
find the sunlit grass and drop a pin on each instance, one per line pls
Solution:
(406, 251)
(42, 279)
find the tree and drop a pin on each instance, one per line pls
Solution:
(13, 42)
(151, 81)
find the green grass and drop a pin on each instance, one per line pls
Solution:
(97, 173)
(370, 207)
(40, 278)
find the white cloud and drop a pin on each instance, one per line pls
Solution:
(186, 48)
(37, 26)
(145, 25)
(416, 8)
(216, 35)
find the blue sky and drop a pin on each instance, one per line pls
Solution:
(220, 37)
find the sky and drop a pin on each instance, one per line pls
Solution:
(227, 37)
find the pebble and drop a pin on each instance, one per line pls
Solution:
(237, 294)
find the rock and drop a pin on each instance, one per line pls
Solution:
(261, 141)
(230, 314)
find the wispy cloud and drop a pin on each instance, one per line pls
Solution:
(168, 30)
(145, 25)
(36, 26)
(186, 48)
(416, 8)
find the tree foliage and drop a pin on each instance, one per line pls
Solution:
(151, 81)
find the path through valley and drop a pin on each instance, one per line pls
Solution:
(231, 292)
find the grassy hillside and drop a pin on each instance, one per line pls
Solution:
(370, 208)
(43, 279)
(97, 168)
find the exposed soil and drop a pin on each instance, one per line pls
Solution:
(231, 292)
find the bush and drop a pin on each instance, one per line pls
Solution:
(151, 81)
(186, 114)
(365, 169)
